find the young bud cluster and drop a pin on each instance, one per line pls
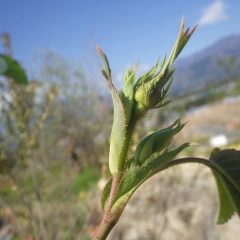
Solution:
(137, 97)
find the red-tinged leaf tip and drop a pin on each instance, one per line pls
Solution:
(99, 50)
(103, 57)
(182, 24)
(97, 47)
(193, 30)
(186, 32)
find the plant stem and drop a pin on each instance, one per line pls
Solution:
(189, 160)
(212, 165)
(107, 223)
(108, 220)
(115, 183)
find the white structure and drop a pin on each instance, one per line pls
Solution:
(218, 140)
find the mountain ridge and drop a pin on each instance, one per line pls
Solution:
(202, 68)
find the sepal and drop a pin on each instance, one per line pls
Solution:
(156, 142)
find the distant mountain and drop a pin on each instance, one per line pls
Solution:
(202, 68)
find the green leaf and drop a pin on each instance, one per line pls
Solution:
(227, 175)
(159, 160)
(132, 179)
(105, 193)
(148, 76)
(129, 80)
(226, 207)
(106, 68)
(136, 175)
(12, 69)
(118, 134)
(183, 38)
(128, 93)
(3, 65)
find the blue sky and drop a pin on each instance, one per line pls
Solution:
(129, 31)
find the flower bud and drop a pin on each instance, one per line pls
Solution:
(151, 89)
(156, 142)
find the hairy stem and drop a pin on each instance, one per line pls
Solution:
(107, 223)
(109, 220)
(212, 165)
(115, 183)
(189, 160)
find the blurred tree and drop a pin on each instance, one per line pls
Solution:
(22, 120)
(81, 133)
(39, 129)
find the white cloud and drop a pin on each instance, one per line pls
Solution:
(216, 12)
